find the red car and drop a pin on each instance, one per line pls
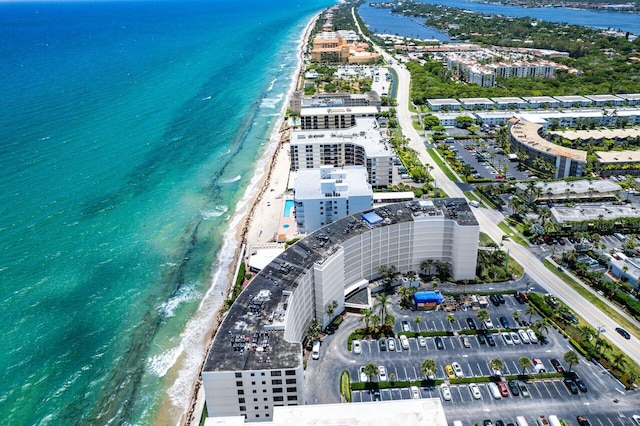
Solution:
(503, 389)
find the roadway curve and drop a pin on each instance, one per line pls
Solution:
(488, 220)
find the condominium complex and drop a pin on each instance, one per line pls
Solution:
(334, 118)
(363, 144)
(327, 194)
(329, 46)
(256, 361)
(473, 71)
(332, 100)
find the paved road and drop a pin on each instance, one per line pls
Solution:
(488, 220)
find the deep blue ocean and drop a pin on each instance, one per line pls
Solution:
(129, 134)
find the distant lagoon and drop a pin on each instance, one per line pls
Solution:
(381, 21)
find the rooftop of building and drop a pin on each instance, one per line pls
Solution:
(476, 101)
(593, 212)
(366, 133)
(443, 102)
(572, 98)
(605, 98)
(573, 135)
(541, 99)
(575, 186)
(414, 412)
(527, 133)
(507, 100)
(251, 336)
(343, 181)
(630, 96)
(617, 156)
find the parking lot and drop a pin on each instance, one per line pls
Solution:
(404, 365)
(485, 160)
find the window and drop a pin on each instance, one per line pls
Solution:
(277, 390)
(276, 373)
(253, 383)
(276, 382)
(240, 400)
(257, 415)
(255, 399)
(291, 381)
(278, 398)
(255, 391)
(267, 415)
(262, 374)
(239, 383)
(292, 398)
(242, 408)
(256, 408)
(266, 399)
(238, 375)
(264, 383)
(264, 391)
(240, 392)
(293, 389)
(266, 407)
(253, 374)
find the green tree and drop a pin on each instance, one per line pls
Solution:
(619, 361)
(483, 315)
(430, 121)
(371, 370)
(366, 317)
(452, 319)
(463, 121)
(524, 363)
(496, 365)
(571, 358)
(331, 308)
(381, 303)
(428, 367)
(314, 329)
(375, 321)
(417, 320)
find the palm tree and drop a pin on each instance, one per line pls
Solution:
(366, 317)
(451, 318)
(417, 320)
(587, 333)
(496, 365)
(375, 321)
(483, 315)
(381, 302)
(619, 361)
(543, 326)
(571, 358)
(371, 370)
(516, 316)
(331, 308)
(428, 367)
(524, 363)
(531, 311)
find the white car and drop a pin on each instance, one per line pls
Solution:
(422, 341)
(488, 324)
(532, 336)
(415, 392)
(524, 336)
(507, 338)
(357, 347)
(363, 376)
(391, 344)
(446, 393)
(515, 337)
(457, 369)
(475, 390)
(382, 373)
(404, 342)
(315, 351)
(636, 419)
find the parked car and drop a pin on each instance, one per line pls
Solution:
(446, 393)
(523, 389)
(571, 385)
(507, 338)
(580, 383)
(538, 365)
(363, 376)
(505, 322)
(357, 347)
(404, 342)
(501, 299)
(495, 392)
(515, 337)
(376, 395)
(475, 391)
(519, 298)
(502, 387)
(471, 323)
(556, 364)
(457, 369)
(449, 370)
(422, 341)
(382, 373)
(582, 421)
(465, 342)
(494, 299)
(383, 344)
(624, 333)
(488, 324)
(482, 339)
(513, 387)
(439, 343)
(524, 336)
(532, 336)
(315, 351)
(415, 392)
(406, 326)
(490, 340)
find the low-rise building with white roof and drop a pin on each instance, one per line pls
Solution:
(573, 101)
(572, 190)
(440, 104)
(541, 102)
(476, 103)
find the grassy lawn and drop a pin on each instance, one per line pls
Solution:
(443, 166)
(417, 126)
(512, 235)
(472, 196)
(485, 239)
(594, 300)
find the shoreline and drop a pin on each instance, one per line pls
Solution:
(270, 169)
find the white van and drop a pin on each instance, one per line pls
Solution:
(619, 236)
(474, 203)
(495, 392)
(315, 352)
(521, 421)
(457, 423)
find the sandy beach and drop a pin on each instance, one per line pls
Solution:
(258, 224)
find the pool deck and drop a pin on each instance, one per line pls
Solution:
(287, 228)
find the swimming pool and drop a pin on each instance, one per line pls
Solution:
(288, 206)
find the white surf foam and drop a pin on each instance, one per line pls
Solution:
(216, 212)
(161, 363)
(233, 179)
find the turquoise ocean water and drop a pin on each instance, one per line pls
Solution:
(129, 132)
